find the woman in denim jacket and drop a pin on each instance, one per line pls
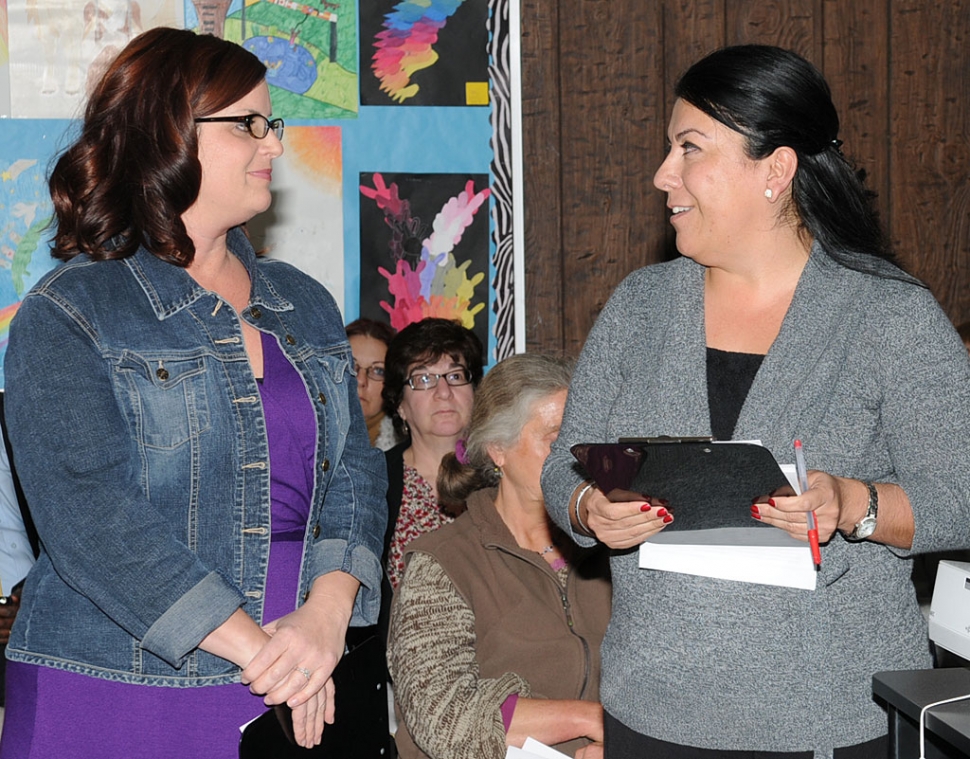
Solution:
(186, 426)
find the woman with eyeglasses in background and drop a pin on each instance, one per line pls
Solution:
(369, 339)
(431, 371)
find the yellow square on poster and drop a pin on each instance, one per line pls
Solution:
(476, 93)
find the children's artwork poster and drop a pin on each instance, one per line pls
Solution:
(304, 226)
(26, 150)
(418, 94)
(424, 52)
(425, 248)
(309, 48)
(58, 50)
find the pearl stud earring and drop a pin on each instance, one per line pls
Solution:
(768, 193)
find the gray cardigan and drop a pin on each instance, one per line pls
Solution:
(872, 377)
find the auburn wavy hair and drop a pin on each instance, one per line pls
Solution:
(134, 170)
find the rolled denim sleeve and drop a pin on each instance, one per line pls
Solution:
(76, 461)
(349, 534)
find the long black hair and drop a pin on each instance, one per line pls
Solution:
(776, 98)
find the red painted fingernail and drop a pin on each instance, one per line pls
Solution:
(756, 512)
(771, 502)
(668, 519)
(645, 507)
(661, 512)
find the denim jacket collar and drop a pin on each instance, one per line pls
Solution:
(170, 288)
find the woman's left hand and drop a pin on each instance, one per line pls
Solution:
(296, 664)
(825, 496)
(310, 718)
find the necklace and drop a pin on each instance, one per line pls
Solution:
(547, 549)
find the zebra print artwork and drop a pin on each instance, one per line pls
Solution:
(502, 170)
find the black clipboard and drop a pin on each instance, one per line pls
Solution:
(707, 485)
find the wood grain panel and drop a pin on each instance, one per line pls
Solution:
(692, 29)
(856, 64)
(541, 149)
(792, 24)
(929, 127)
(612, 121)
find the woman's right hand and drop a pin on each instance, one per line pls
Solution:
(623, 524)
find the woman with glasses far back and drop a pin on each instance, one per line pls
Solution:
(431, 370)
(186, 432)
(368, 342)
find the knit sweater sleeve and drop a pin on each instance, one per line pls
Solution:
(450, 712)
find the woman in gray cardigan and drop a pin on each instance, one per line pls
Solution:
(784, 318)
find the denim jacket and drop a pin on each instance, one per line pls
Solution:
(140, 441)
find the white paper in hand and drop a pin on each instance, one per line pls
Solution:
(533, 749)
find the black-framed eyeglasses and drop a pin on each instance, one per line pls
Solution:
(427, 381)
(255, 123)
(374, 372)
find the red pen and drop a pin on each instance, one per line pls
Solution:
(810, 516)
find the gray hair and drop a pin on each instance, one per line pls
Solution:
(504, 403)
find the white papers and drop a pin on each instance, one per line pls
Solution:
(744, 554)
(533, 749)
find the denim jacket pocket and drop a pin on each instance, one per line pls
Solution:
(167, 398)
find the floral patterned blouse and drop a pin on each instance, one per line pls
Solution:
(419, 514)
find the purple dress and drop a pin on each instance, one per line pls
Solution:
(51, 712)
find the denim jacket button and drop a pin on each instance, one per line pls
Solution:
(255, 312)
(161, 373)
(316, 531)
(325, 466)
(290, 340)
(323, 399)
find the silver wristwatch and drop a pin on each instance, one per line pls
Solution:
(867, 526)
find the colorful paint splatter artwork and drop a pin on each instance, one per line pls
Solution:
(426, 277)
(424, 52)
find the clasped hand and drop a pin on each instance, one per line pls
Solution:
(310, 641)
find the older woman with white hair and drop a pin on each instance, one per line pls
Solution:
(496, 627)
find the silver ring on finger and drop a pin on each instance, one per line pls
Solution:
(305, 672)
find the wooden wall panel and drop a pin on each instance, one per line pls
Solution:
(900, 77)
(855, 62)
(793, 24)
(612, 110)
(542, 154)
(929, 156)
